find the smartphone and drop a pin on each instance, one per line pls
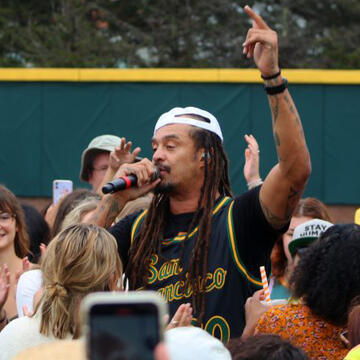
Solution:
(60, 188)
(125, 326)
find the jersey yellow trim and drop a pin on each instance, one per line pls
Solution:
(225, 340)
(136, 223)
(295, 76)
(234, 250)
(182, 237)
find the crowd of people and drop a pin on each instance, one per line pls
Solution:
(181, 232)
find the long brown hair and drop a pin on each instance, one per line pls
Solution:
(81, 259)
(9, 203)
(148, 240)
(69, 202)
(353, 325)
(309, 207)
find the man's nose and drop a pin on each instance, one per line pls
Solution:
(158, 154)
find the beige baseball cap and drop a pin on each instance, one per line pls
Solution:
(98, 144)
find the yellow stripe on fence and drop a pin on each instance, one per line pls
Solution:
(295, 76)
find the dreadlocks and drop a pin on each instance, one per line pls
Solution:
(148, 240)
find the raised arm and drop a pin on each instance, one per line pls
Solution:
(285, 183)
(122, 154)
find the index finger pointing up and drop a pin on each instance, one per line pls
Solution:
(257, 19)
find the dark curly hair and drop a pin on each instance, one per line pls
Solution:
(327, 276)
(264, 347)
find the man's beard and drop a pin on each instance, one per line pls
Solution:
(164, 188)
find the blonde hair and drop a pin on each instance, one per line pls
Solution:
(133, 206)
(79, 260)
(75, 215)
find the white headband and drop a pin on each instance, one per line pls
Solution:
(174, 117)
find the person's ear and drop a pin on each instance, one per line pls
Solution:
(205, 155)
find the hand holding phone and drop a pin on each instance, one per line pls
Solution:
(61, 188)
(123, 325)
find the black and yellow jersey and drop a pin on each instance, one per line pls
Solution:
(241, 241)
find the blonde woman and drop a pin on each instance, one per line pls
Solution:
(79, 260)
(81, 213)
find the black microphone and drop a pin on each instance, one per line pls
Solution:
(125, 182)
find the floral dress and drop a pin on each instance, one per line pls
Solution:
(296, 323)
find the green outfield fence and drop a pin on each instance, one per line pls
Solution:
(48, 116)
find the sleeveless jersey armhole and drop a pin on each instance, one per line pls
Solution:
(136, 225)
(235, 252)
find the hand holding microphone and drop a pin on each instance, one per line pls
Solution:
(131, 175)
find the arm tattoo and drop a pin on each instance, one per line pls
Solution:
(97, 214)
(275, 221)
(292, 109)
(292, 200)
(275, 109)
(112, 213)
(278, 222)
(106, 214)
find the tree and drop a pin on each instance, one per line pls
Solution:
(316, 33)
(65, 33)
(174, 33)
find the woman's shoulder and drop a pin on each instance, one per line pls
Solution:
(288, 309)
(20, 326)
(20, 334)
(278, 317)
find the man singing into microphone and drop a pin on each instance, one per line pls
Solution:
(196, 243)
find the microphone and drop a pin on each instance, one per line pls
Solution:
(125, 182)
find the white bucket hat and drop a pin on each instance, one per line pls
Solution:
(188, 343)
(102, 142)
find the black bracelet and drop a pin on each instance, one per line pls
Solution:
(278, 89)
(271, 76)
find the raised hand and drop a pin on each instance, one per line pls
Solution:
(122, 154)
(52, 211)
(261, 44)
(42, 250)
(254, 308)
(26, 311)
(4, 285)
(251, 167)
(26, 265)
(182, 317)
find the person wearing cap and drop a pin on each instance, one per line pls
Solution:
(327, 281)
(196, 242)
(306, 233)
(95, 159)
